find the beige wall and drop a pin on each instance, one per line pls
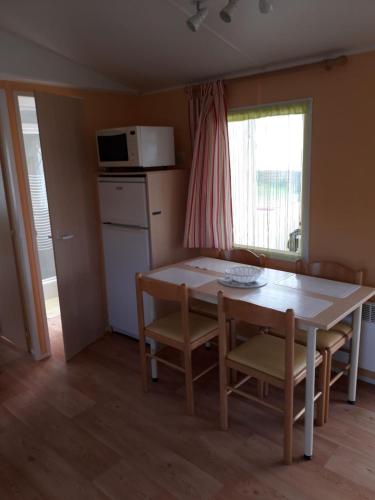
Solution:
(169, 109)
(342, 201)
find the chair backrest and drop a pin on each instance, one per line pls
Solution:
(163, 291)
(214, 253)
(283, 322)
(300, 267)
(244, 256)
(290, 266)
(334, 271)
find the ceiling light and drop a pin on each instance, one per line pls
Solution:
(226, 13)
(197, 19)
(265, 6)
(194, 22)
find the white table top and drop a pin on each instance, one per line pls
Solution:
(316, 302)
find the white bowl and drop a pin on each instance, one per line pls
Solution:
(244, 274)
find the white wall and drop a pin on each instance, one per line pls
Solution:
(27, 61)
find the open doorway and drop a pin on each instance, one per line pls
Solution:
(41, 218)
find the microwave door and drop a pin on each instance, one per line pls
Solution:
(113, 149)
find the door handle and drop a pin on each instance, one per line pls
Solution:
(67, 236)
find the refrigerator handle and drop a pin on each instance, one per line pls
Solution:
(124, 226)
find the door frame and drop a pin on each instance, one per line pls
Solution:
(23, 224)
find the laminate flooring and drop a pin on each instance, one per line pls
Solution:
(85, 430)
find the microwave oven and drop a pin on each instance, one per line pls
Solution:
(136, 146)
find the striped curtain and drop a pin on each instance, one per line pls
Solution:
(209, 221)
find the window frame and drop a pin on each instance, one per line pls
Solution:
(306, 168)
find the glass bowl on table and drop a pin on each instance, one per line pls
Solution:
(243, 274)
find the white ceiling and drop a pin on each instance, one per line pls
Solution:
(146, 46)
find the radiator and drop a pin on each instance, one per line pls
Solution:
(367, 349)
(367, 346)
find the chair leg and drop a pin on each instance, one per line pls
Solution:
(260, 389)
(266, 389)
(327, 386)
(224, 377)
(223, 396)
(233, 344)
(143, 359)
(288, 423)
(322, 388)
(154, 363)
(189, 382)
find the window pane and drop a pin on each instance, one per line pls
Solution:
(267, 166)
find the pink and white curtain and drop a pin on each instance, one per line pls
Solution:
(209, 221)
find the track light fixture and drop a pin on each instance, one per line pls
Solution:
(265, 6)
(194, 22)
(197, 19)
(226, 12)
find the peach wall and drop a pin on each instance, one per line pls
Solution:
(169, 109)
(342, 201)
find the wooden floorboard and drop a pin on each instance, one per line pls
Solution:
(85, 430)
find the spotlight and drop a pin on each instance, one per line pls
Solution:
(197, 19)
(226, 12)
(265, 6)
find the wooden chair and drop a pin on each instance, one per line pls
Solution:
(214, 253)
(244, 256)
(270, 359)
(283, 264)
(181, 330)
(335, 339)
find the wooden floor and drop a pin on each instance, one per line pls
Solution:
(84, 430)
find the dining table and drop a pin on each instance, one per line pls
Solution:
(317, 303)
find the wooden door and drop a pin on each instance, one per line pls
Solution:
(12, 325)
(71, 192)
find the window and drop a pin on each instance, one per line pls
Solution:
(268, 148)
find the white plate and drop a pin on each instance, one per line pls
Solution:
(235, 284)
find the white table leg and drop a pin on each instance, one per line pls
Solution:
(357, 318)
(310, 392)
(154, 364)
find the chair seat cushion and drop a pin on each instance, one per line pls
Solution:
(325, 339)
(170, 326)
(265, 353)
(202, 307)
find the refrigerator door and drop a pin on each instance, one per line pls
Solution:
(123, 202)
(126, 252)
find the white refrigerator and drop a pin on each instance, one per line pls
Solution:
(126, 241)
